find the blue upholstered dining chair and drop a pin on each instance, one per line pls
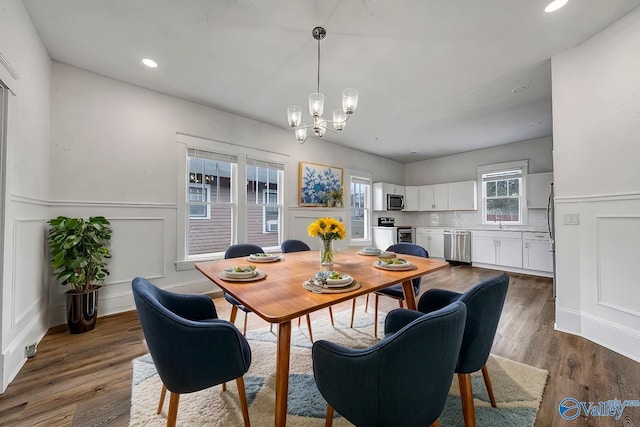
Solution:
(402, 380)
(293, 245)
(395, 291)
(191, 348)
(484, 303)
(237, 251)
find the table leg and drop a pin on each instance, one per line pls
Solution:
(282, 372)
(407, 287)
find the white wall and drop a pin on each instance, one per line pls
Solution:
(596, 115)
(464, 166)
(23, 286)
(114, 153)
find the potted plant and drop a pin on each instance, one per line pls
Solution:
(336, 196)
(79, 252)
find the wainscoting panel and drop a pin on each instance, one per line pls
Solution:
(138, 248)
(617, 265)
(598, 296)
(303, 217)
(28, 283)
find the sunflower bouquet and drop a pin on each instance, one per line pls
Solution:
(327, 229)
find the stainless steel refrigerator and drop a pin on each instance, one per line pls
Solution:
(552, 233)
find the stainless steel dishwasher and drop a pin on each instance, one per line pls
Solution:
(457, 246)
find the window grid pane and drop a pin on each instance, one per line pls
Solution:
(209, 205)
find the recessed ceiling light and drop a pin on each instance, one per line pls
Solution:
(535, 124)
(150, 63)
(555, 5)
(519, 89)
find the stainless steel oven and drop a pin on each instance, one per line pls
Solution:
(406, 234)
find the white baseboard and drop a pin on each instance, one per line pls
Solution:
(618, 338)
(513, 269)
(13, 356)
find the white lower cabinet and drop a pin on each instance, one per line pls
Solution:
(536, 252)
(497, 248)
(432, 239)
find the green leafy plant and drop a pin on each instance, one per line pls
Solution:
(336, 194)
(79, 250)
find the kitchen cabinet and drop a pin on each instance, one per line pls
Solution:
(463, 196)
(380, 191)
(538, 187)
(497, 248)
(411, 198)
(432, 239)
(434, 197)
(383, 237)
(536, 252)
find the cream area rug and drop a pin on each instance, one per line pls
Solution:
(517, 387)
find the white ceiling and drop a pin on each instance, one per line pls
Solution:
(435, 77)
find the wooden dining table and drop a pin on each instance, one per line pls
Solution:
(280, 296)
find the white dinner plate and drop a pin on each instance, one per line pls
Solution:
(263, 258)
(245, 274)
(335, 283)
(404, 265)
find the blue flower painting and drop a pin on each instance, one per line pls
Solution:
(316, 181)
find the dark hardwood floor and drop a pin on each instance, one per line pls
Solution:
(85, 380)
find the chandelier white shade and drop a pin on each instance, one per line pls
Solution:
(316, 107)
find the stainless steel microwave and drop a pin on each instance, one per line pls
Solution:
(395, 202)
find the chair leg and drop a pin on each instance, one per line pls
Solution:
(174, 399)
(366, 303)
(309, 327)
(163, 394)
(487, 383)
(466, 395)
(400, 302)
(243, 401)
(224, 386)
(375, 317)
(436, 423)
(234, 313)
(328, 422)
(331, 316)
(353, 312)
(244, 329)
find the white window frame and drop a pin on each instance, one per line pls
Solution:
(523, 165)
(238, 193)
(365, 176)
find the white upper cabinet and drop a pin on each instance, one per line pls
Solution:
(463, 196)
(434, 197)
(411, 198)
(538, 188)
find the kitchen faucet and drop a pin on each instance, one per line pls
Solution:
(497, 216)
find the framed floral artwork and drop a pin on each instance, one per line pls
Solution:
(317, 182)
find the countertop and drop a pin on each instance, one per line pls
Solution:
(523, 229)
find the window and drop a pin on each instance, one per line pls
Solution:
(210, 209)
(263, 207)
(503, 200)
(214, 210)
(360, 204)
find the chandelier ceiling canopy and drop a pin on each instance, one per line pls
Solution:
(316, 107)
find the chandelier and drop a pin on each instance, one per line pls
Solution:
(316, 107)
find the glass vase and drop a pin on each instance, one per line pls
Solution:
(326, 255)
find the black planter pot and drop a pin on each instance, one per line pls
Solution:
(82, 310)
